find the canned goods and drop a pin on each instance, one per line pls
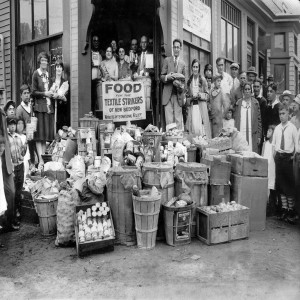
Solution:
(97, 161)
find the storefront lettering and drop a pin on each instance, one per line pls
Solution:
(127, 88)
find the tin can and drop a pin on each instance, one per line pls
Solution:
(97, 161)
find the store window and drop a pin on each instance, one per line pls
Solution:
(40, 28)
(279, 42)
(250, 43)
(296, 81)
(230, 32)
(280, 77)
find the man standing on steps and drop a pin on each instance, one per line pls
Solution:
(172, 98)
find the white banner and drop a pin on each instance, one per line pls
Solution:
(197, 18)
(123, 101)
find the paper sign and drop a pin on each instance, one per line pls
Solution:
(123, 101)
(149, 61)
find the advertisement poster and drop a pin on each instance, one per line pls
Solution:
(123, 101)
(197, 18)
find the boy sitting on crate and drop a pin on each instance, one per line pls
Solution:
(18, 151)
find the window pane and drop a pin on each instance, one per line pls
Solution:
(38, 49)
(223, 38)
(25, 21)
(279, 41)
(27, 62)
(55, 16)
(279, 77)
(235, 45)
(55, 54)
(194, 54)
(40, 19)
(186, 57)
(229, 41)
(249, 55)
(204, 59)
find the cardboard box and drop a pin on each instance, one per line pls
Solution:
(255, 166)
(253, 193)
(218, 170)
(216, 193)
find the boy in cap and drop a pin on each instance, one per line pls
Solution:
(17, 151)
(10, 108)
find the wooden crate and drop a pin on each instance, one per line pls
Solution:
(27, 209)
(89, 246)
(248, 166)
(222, 227)
(218, 170)
(216, 193)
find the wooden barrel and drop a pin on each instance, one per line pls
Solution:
(119, 195)
(160, 175)
(146, 213)
(195, 177)
(46, 210)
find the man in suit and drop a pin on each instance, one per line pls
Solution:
(272, 112)
(238, 92)
(142, 59)
(7, 171)
(172, 98)
(248, 118)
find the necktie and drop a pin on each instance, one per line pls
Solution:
(175, 64)
(143, 62)
(282, 139)
(247, 125)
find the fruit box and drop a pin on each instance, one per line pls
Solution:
(255, 166)
(93, 245)
(222, 227)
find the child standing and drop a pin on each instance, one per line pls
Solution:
(17, 150)
(228, 121)
(267, 152)
(20, 131)
(285, 143)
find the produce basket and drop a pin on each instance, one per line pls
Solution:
(84, 247)
(221, 227)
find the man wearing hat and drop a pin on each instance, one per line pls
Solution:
(10, 108)
(251, 74)
(286, 98)
(296, 108)
(234, 72)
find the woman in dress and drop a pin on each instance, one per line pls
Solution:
(60, 87)
(109, 66)
(43, 107)
(196, 98)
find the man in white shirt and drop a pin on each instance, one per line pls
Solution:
(234, 72)
(285, 144)
(226, 83)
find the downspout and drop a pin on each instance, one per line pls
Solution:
(3, 64)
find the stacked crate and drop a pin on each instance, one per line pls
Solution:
(249, 185)
(86, 141)
(219, 178)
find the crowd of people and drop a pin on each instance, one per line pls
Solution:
(270, 123)
(19, 152)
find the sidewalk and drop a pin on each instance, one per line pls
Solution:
(266, 266)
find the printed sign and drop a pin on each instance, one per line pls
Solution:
(197, 18)
(123, 101)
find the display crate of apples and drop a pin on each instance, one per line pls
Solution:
(222, 223)
(94, 227)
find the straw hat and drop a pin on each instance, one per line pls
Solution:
(252, 70)
(287, 93)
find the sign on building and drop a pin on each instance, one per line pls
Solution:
(123, 101)
(197, 18)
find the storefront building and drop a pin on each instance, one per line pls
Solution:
(263, 34)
